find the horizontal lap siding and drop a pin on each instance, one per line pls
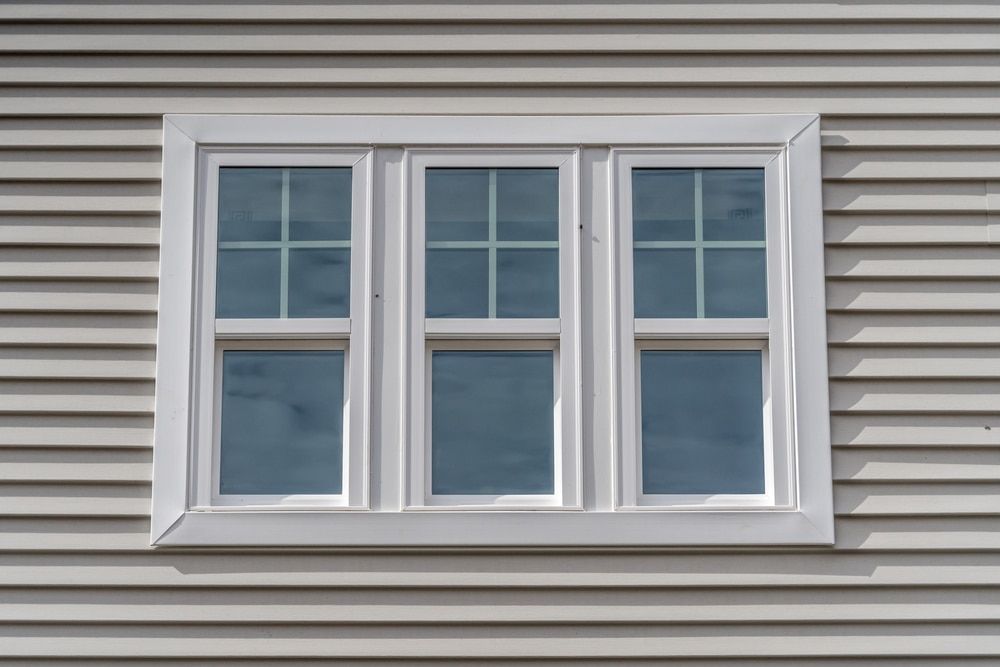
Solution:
(911, 134)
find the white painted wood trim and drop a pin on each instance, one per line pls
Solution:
(497, 328)
(810, 407)
(174, 344)
(276, 328)
(466, 528)
(640, 130)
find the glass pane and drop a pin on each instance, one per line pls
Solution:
(250, 203)
(248, 283)
(457, 283)
(702, 422)
(708, 224)
(319, 282)
(528, 204)
(735, 283)
(527, 283)
(663, 204)
(457, 204)
(492, 422)
(282, 422)
(733, 204)
(665, 283)
(491, 237)
(319, 204)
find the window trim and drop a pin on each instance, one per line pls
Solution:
(797, 135)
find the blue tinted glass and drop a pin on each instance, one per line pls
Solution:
(319, 204)
(492, 423)
(528, 204)
(735, 283)
(663, 204)
(664, 283)
(250, 203)
(457, 204)
(733, 204)
(527, 283)
(248, 283)
(282, 422)
(702, 422)
(319, 282)
(457, 283)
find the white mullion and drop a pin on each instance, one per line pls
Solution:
(699, 252)
(285, 213)
(492, 244)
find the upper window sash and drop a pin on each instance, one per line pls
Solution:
(360, 163)
(772, 162)
(348, 334)
(565, 161)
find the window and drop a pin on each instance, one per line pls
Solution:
(702, 362)
(430, 331)
(494, 364)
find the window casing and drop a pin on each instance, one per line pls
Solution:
(595, 343)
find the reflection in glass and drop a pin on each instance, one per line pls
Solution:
(457, 283)
(457, 204)
(250, 203)
(527, 283)
(663, 204)
(702, 422)
(492, 422)
(528, 204)
(282, 422)
(735, 282)
(319, 282)
(319, 203)
(733, 204)
(665, 283)
(248, 283)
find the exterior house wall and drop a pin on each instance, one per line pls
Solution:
(909, 94)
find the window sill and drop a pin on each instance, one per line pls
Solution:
(525, 528)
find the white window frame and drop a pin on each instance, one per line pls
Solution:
(347, 334)
(602, 518)
(766, 334)
(560, 335)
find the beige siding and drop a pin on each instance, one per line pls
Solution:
(910, 97)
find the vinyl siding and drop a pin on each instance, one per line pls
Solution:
(910, 100)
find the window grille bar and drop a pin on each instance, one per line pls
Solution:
(699, 252)
(663, 245)
(492, 246)
(285, 214)
(277, 245)
(486, 245)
